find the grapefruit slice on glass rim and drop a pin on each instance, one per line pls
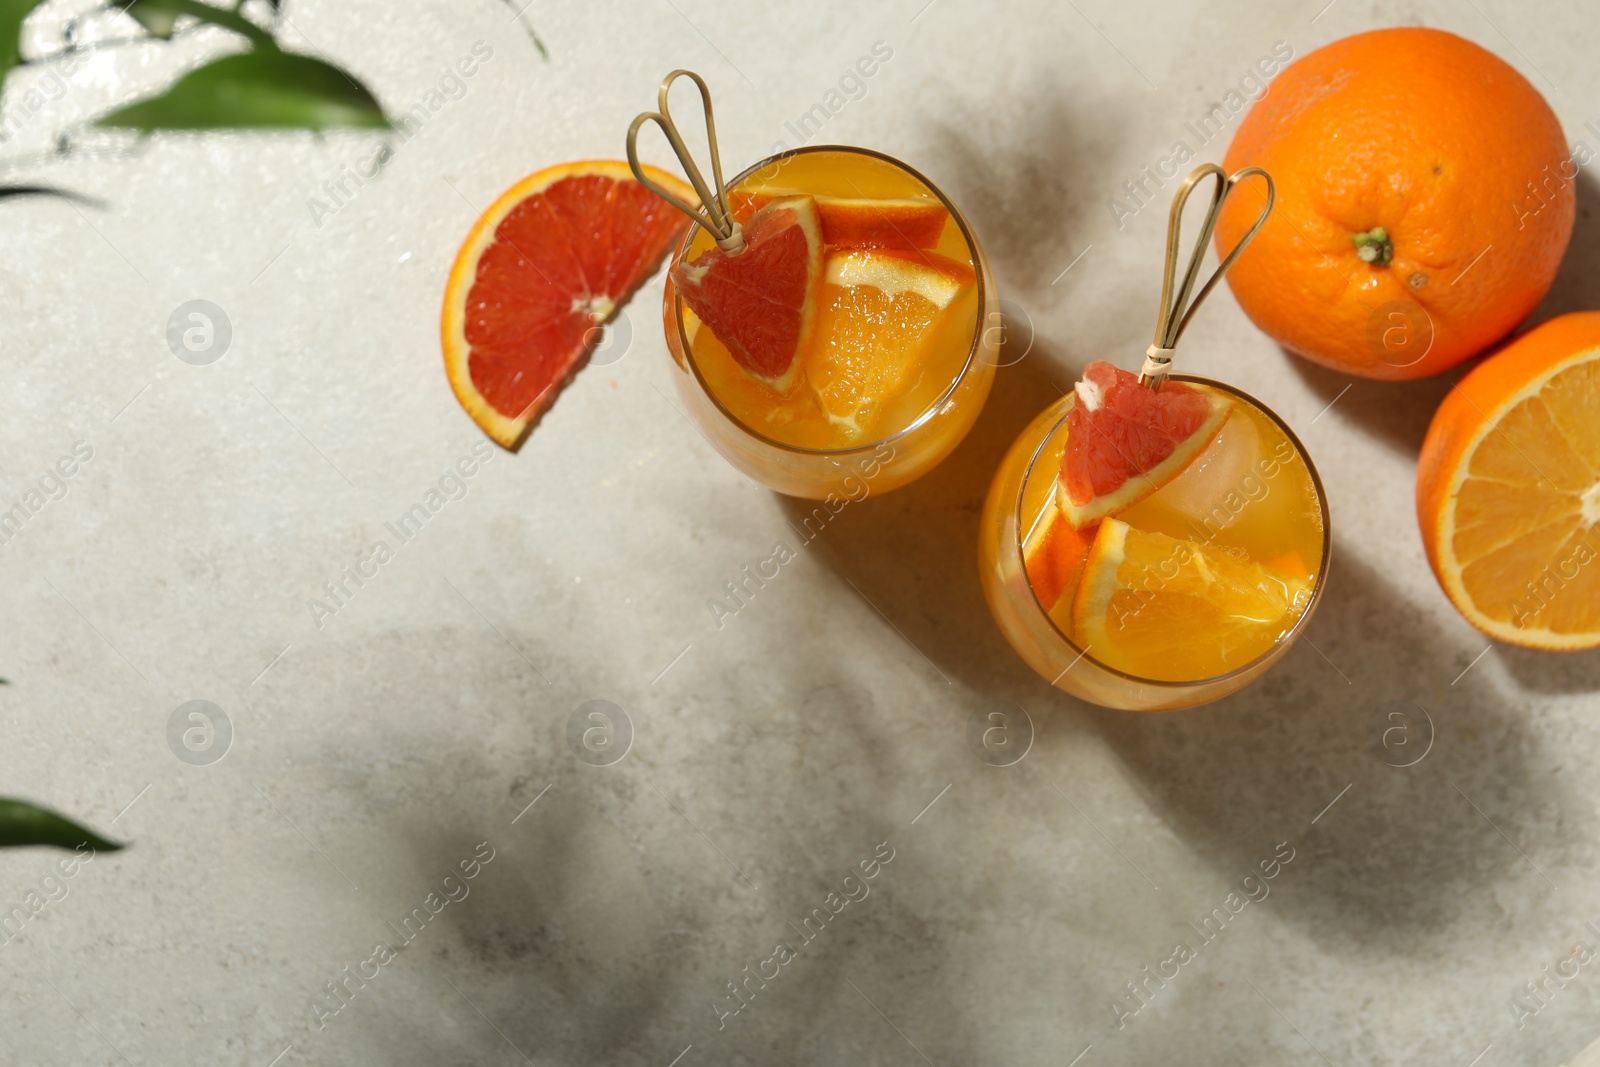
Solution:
(541, 270)
(759, 301)
(1125, 441)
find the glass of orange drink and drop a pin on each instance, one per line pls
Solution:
(833, 320)
(1155, 541)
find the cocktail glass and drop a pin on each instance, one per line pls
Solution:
(1192, 585)
(925, 379)
(922, 427)
(1257, 495)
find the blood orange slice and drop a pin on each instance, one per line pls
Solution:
(1125, 441)
(855, 222)
(759, 301)
(540, 270)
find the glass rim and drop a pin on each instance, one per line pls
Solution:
(933, 408)
(1294, 631)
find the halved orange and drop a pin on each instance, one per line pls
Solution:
(854, 222)
(760, 301)
(1508, 489)
(879, 311)
(539, 272)
(1125, 441)
(1175, 610)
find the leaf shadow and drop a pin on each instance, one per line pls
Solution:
(614, 912)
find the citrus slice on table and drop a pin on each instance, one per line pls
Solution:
(540, 271)
(1053, 554)
(880, 310)
(1508, 489)
(758, 301)
(1174, 610)
(858, 222)
(1125, 441)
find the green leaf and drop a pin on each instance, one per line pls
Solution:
(159, 16)
(12, 12)
(22, 823)
(256, 90)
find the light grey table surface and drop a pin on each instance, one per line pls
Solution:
(411, 730)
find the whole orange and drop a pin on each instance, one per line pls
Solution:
(1425, 199)
(1508, 488)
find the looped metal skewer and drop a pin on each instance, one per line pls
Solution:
(1175, 313)
(713, 214)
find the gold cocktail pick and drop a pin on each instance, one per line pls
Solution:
(1174, 314)
(715, 216)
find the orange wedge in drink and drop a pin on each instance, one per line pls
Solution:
(1160, 607)
(1053, 554)
(857, 222)
(878, 311)
(1508, 489)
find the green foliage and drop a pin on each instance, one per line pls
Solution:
(22, 823)
(12, 12)
(262, 88)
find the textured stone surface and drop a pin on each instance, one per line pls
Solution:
(374, 754)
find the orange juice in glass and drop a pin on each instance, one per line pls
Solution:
(1154, 541)
(1180, 598)
(832, 319)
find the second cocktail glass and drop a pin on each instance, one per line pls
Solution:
(1252, 497)
(1155, 541)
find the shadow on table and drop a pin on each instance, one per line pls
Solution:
(912, 553)
(615, 910)
(1407, 852)
(1577, 284)
(1396, 413)
(1028, 206)
(1551, 672)
(1403, 854)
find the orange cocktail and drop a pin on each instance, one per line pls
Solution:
(888, 362)
(1182, 596)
